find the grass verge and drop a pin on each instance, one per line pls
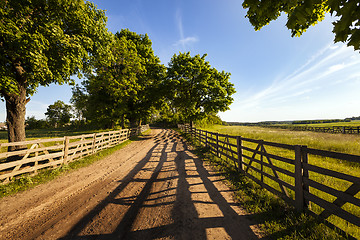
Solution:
(276, 218)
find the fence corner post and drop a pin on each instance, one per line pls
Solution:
(299, 190)
(239, 153)
(66, 149)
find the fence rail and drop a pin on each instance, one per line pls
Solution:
(333, 129)
(304, 177)
(54, 152)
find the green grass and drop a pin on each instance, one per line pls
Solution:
(332, 142)
(344, 143)
(27, 181)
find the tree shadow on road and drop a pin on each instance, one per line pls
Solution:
(178, 198)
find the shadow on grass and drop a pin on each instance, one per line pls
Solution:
(278, 219)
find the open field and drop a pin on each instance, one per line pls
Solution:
(331, 142)
(349, 144)
(345, 124)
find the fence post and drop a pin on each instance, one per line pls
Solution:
(304, 159)
(206, 139)
(239, 153)
(299, 190)
(66, 149)
(217, 144)
(93, 143)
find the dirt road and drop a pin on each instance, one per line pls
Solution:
(155, 188)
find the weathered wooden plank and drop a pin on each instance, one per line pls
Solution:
(227, 155)
(284, 171)
(343, 196)
(32, 142)
(342, 156)
(90, 135)
(282, 159)
(30, 169)
(276, 179)
(25, 151)
(227, 149)
(83, 142)
(331, 173)
(4, 166)
(333, 209)
(272, 190)
(227, 143)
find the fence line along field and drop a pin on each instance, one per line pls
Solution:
(314, 179)
(352, 127)
(53, 152)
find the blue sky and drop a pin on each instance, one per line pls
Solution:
(276, 77)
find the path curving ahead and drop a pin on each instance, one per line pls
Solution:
(154, 188)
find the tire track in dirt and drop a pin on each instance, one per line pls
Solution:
(155, 188)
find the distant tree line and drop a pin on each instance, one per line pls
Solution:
(318, 121)
(268, 123)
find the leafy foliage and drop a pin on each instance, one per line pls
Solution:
(49, 40)
(33, 123)
(127, 90)
(196, 89)
(58, 113)
(44, 42)
(303, 14)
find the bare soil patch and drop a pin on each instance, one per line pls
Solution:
(155, 188)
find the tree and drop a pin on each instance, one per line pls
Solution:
(109, 89)
(44, 42)
(79, 101)
(148, 95)
(33, 123)
(126, 91)
(303, 14)
(196, 89)
(58, 113)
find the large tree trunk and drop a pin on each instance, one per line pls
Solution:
(15, 118)
(16, 109)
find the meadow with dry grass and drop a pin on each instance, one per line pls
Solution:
(343, 143)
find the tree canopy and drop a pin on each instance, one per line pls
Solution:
(58, 113)
(125, 92)
(44, 42)
(303, 14)
(196, 89)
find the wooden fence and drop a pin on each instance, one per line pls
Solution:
(54, 152)
(333, 129)
(309, 179)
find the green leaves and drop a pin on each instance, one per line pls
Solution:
(303, 14)
(58, 113)
(126, 89)
(50, 41)
(195, 88)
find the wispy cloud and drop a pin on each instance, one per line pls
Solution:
(183, 42)
(330, 68)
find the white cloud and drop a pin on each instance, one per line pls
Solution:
(186, 41)
(317, 83)
(183, 42)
